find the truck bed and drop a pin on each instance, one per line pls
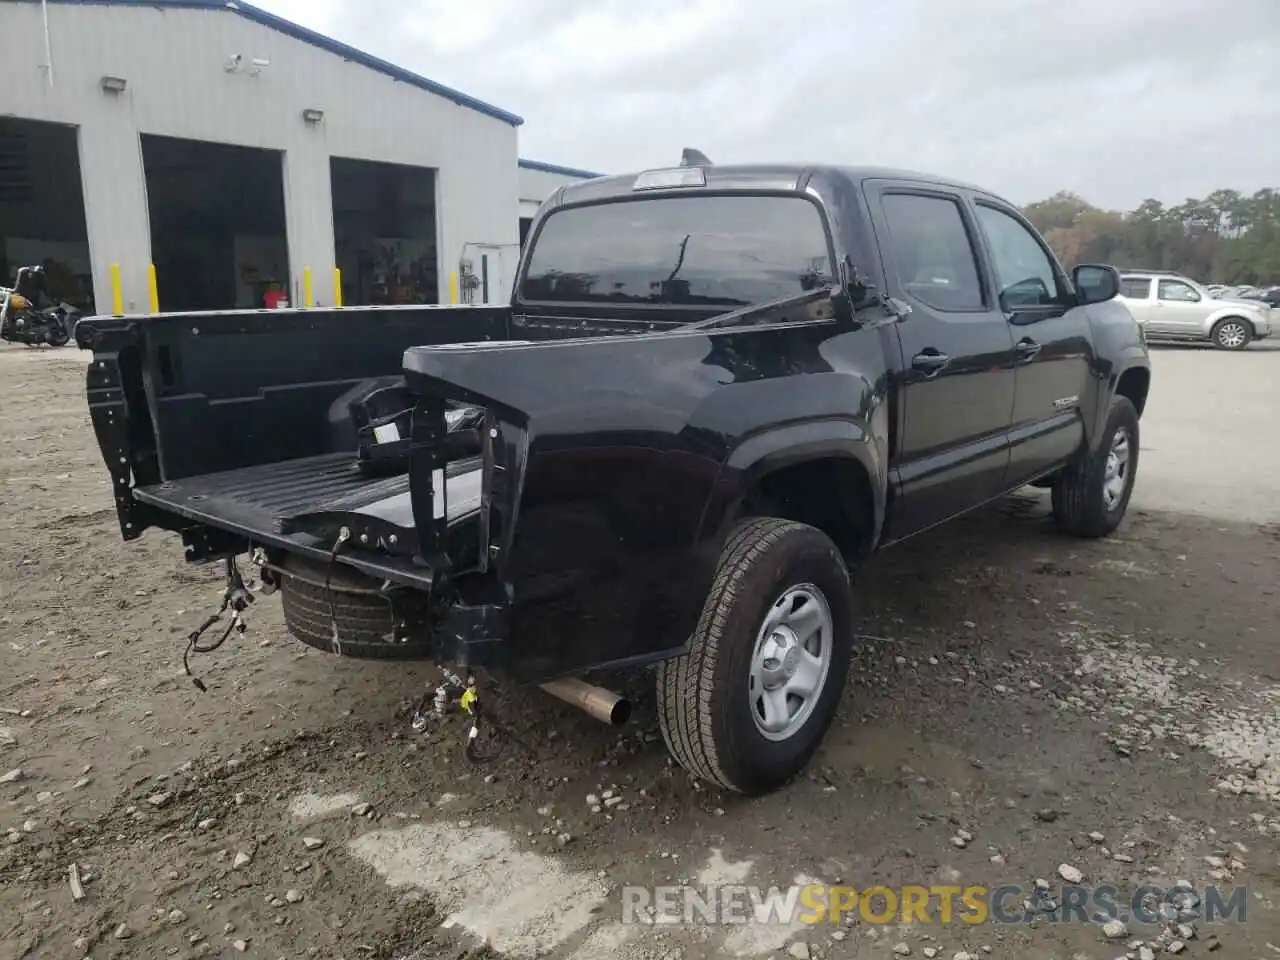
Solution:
(257, 502)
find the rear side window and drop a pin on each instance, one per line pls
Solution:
(725, 251)
(1135, 288)
(931, 251)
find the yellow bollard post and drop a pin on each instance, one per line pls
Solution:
(307, 300)
(152, 290)
(337, 287)
(117, 293)
(453, 288)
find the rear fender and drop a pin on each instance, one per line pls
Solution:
(766, 454)
(596, 479)
(618, 469)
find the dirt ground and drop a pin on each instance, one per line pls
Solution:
(1014, 692)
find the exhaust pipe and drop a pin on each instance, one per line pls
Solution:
(605, 705)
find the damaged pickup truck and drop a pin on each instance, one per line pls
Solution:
(716, 391)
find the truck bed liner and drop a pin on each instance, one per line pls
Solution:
(252, 502)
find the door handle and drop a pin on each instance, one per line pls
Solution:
(930, 362)
(1027, 349)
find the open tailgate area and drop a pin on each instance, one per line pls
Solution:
(267, 504)
(225, 418)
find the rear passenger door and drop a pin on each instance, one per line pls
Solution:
(957, 389)
(1136, 294)
(1053, 343)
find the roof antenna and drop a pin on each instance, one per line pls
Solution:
(694, 158)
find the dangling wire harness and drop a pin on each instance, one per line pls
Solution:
(236, 598)
(468, 700)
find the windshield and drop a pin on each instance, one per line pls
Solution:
(730, 251)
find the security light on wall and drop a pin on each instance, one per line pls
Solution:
(312, 115)
(114, 84)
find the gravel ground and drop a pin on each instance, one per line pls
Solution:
(1020, 704)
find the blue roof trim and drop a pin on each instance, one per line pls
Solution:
(336, 47)
(555, 168)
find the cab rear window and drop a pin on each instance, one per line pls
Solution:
(730, 251)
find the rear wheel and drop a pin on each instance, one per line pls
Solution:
(1090, 496)
(748, 705)
(1232, 333)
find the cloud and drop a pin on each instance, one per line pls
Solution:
(1117, 100)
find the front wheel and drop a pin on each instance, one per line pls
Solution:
(58, 334)
(1232, 333)
(748, 705)
(1090, 496)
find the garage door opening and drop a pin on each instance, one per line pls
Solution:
(42, 208)
(384, 232)
(218, 235)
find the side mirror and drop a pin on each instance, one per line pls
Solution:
(1095, 282)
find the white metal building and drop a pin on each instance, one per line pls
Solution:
(537, 181)
(245, 158)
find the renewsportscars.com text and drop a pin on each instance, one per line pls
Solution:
(918, 904)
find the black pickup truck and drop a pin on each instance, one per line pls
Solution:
(717, 389)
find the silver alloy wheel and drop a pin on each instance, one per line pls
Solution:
(790, 662)
(1233, 334)
(1116, 475)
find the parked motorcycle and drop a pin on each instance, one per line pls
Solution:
(28, 315)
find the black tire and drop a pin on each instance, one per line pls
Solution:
(363, 616)
(1079, 503)
(1230, 328)
(58, 334)
(705, 707)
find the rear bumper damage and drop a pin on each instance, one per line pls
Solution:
(606, 482)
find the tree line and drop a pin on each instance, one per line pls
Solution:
(1225, 238)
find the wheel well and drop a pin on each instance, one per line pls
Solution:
(832, 494)
(1134, 384)
(1242, 319)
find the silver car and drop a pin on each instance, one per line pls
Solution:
(1172, 307)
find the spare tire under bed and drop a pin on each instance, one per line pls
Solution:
(354, 602)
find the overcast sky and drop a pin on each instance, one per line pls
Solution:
(1116, 100)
